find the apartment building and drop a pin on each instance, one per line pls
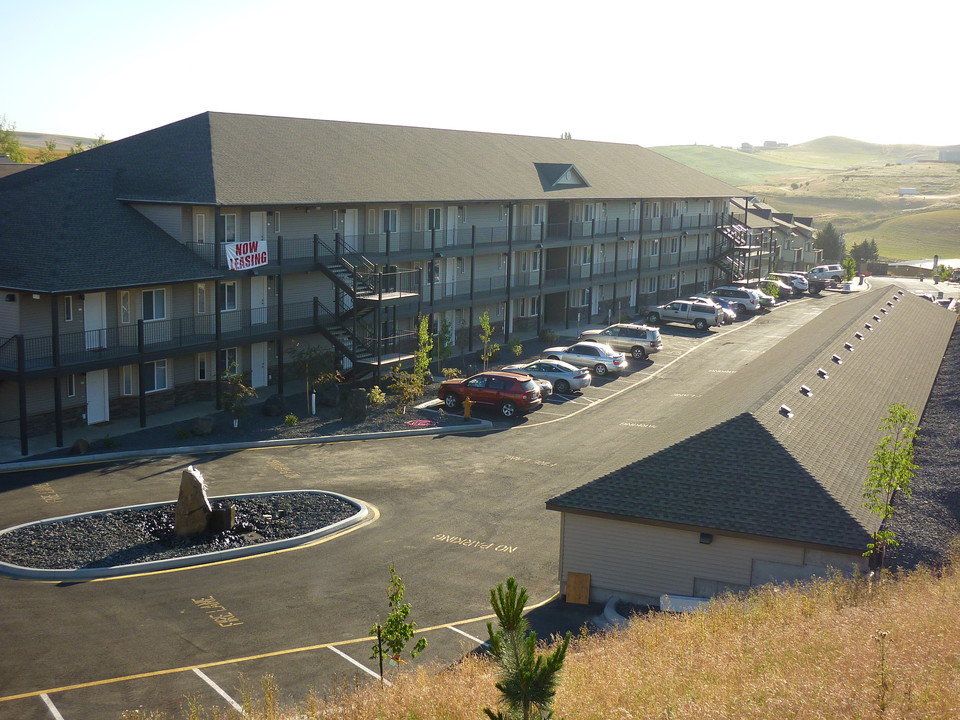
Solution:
(139, 272)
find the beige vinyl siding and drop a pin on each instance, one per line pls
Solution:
(10, 313)
(35, 315)
(168, 218)
(640, 561)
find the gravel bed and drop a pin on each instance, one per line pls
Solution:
(926, 523)
(142, 535)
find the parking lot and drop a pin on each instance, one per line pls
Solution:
(454, 514)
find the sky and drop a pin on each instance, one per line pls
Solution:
(633, 71)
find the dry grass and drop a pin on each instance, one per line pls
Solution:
(836, 649)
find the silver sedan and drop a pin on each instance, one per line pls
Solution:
(564, 377)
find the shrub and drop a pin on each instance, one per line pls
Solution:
(290, 420)
(548, 336)
(182, 433)
(517, 349)
(376, 396)
(450, 373)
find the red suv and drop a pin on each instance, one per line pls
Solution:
(508, 392)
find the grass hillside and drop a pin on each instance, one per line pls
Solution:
(838, 649)
(855, 185)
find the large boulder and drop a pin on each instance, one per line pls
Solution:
(79, 447)
(328, 393)
(354, 407)
(193, 506)
(274, 406)
(202, 425)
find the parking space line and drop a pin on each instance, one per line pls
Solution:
(467, 635)
(219, 690)
(51, 707)
(360, 665)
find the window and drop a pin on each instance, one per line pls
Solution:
(673, 282)
(71, 386)
(389, 221)
(433, 219)
(581, 297)
(155, 376)
(229, 358)
(68, 308)
(674, 245)
(199, 228)
(527, 307)
(276, 221)
(126, 380)
(433, 272)
(653, 248)
(201, 298)
(154, 304)
(203, 368)
(371, 222)
(588, 212)
(650, 285)
(539, 214)
(228, 296)
(581, 255)
(418, 219)
(535, 260)
(504, 213)
(651, 210)
(229, 227)
(124, 306)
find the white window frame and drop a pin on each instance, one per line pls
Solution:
(157, 370)
(153, 294)
(654, 247)
(390, 219)
(276, 221)
(125, 317)
(199, 228)
(229, 227)
(225, 296)
(418, 219)
(371, 222)
(581, 297)
(126, 380)
(71, 385)
(201, 298)
(589, 212)
(202, 366)
(434, 271)
(674, 245)
(231, 359)
(539, 214)
(68, 308)
(535, 261)
(434, 218)
(651, 210)
(673, 282)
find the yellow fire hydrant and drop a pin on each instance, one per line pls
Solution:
(467, 407)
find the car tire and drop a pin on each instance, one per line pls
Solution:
(741, 309)
(508, 409)
(451, 400)
(653, 318)
(700, 324)
(638, 353)
(836, 278)
(600, 369)
(561, 387)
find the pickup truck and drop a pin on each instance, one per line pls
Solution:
(700, 315)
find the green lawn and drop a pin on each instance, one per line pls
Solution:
(915, 236)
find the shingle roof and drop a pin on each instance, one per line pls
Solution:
(799, 478)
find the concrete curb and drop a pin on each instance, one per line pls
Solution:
(80, 574)
(16, 466)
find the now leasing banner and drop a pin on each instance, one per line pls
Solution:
(246, 255)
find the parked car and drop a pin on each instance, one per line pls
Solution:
(727, 313)
(564, 377)
(797, 280)
(700, 314)
(826, 272)
(638, 340)
(510, 393)
(597, 356)
(743, 299)
(784, 289)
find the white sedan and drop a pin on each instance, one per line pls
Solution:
(564, 377)
(597, 356)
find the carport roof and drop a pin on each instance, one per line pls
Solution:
(796, 478)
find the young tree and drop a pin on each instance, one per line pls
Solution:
(235, 392)
(49, 152)
(528, 680)
(421, 357)
(849, 268)
(394, 634)
(444, 343)
(314, 363)
(407, 386)
(486, 336)
(891, 470)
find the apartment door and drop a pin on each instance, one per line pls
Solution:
(258, 365)
(258, 226)
(350, 222)
(451, 231)
(98, 396)
(95, 320)
(258, 300)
